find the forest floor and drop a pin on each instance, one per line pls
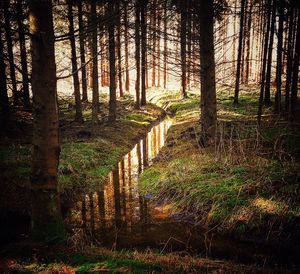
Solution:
(248, 184)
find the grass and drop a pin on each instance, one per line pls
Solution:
(84, 161)
(239, 186)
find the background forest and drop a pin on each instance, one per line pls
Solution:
(149, 136)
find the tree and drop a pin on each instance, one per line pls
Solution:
(144, 49)
(112, 62)
(23, 52)
(137, 53)
(207, 61)
(183, 21)
(46, 216)
(8, 36)
(95, 82)
(82, 52)
(78, 108)
(239, 57)
(126, 41)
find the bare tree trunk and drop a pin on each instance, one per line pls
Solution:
(158, 44)
(183, 21)
(95, 83)
(294, 90)
(127, 79)
(208, 82)
(277, 106)
(78, 109)
(119, 45)
(267, 99)
(112, 63)
(23, 54)
(46, 217)
(82, 53)
(154, 43)
(289, 58)
(248, 49)
(8, 36)
(137, 53)
(239, 60)
(144, 49)
(165, 44)
(4, 104)
(264, 60)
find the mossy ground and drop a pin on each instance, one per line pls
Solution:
(247, 184)
(86, 157)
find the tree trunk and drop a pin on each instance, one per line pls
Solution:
(4, 104)
(82, 53)
(208, 82)
(95, 82)
(294, 90)
(267, 99)
(289, 58)
(23, 54)
(46, 217)
(112, 62)
(144, 49)
(277, 106)
(264, 60)
(78, 109)
(137, 53)
(119, 45)
(154, 43)
(165, 44)
(183, 21)
(127, 79)
(158, 44)
(8, 36)
(238, 67)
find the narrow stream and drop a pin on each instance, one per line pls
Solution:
(117, 216)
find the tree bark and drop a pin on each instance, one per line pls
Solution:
(183, 21)
(144, 49)
(277, 106)
(165, 44)
(112, 62)
(46, 217)
(82, 52)
(95, 82)
(78, 108)
(127, 77)
(137, 53)
(154, 20)
(119, 45)
(208, 75)
(8, 36)
(23, 54)
(239, 57)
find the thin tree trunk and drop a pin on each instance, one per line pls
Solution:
(127, 79)
(112, 63)
(267, 99)
(289, 65)
(294, 90)
(165, 44)
(82, 53)
(158, 44)
(144, 49)
(183, 21)
(119, 45)
(4, 104)
(23, 54)
(277, 106)
(208, 82)
(264, 60)
(78, 108)
(95, 83)
(154, 43)
(238, 68)
(248, 49)
(8, 36)
(46, 220)
(137, 53)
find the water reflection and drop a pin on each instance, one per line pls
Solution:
(118, 205)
